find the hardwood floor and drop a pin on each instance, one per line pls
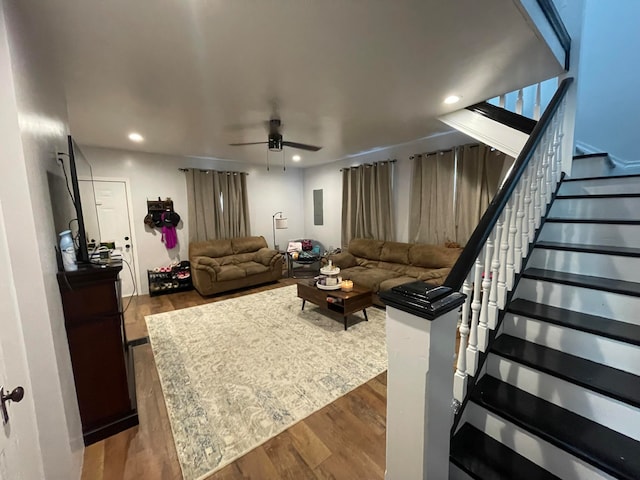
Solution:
(344, 440)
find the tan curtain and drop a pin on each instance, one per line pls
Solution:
(431, 205)
(366, 202)
(480, 172)
(218, 206)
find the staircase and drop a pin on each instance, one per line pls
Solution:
(558, 393)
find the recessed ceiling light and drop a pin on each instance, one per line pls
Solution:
(452, 99)
(135, 137)
(296, 158)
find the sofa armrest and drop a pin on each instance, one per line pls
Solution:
(267, 256)
(343, 260)
(206, 264)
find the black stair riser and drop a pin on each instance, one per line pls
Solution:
(584, 281)
(592, 324)
(608, 381)
(596, 249)
(600, 446)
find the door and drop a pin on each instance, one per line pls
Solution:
(113, 216)
(19, 431)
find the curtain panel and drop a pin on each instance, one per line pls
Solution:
(366, 202)
(479, 174)
(431, 208)
(451, 190)
(218, 205)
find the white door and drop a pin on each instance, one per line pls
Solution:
(18, 438)
(112, 207)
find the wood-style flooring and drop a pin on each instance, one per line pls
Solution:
(344, 440)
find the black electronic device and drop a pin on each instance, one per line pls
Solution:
(73, 205)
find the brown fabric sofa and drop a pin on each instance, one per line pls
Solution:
(221, 265)
(380, 265)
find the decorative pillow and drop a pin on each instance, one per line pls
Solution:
(306, 245)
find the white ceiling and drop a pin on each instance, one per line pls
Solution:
(193, 76)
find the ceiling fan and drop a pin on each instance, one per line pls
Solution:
(275, 142)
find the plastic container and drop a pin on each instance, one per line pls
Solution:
(68, 251)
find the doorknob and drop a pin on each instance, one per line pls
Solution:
(16, 395)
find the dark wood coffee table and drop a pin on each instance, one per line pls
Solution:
(344, 303)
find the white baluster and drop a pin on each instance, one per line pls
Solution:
(536, 107)
(527, 204)
(483, 326)
(512, 240)
(504, 248)
(517, 253)
(503, 101)
(550, 174)
(460, 377)
(560, 137)
(534, 194)
(519, 102)
(472, 348)
(495, 269)
(539, 185)
(553, 177)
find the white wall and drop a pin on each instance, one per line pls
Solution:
(608, 114)
(34, 112)
(152, 176)
(329, 179)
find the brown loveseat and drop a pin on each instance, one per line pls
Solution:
(221, 265)
(380, 265)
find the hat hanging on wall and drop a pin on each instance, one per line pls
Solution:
(171, 219)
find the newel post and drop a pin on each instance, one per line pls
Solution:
(421, 334)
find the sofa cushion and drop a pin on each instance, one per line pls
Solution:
(230, 272)
(247, 244)
(433, 256)
(244, 257)
(210, 248)
(253, 268)
(370, 278)
(395, 252)
(395, 267)
(394, 282)
(366, 248)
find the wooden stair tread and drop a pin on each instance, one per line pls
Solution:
(482, 457)
(605, 327)
(605, 221)
(600, 446)
(601, 249)
(609, 381)
(587, 281)
(590, 155)
(600, 177)
(596, 195)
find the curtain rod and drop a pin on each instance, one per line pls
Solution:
(381, 162)
(212, 170)
(470, 145)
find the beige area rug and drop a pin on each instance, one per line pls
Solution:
(238, 372)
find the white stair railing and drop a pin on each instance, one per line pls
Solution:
(494, 255)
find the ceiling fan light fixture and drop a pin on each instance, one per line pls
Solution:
(451, 99)
(275, 142)
(296, 158)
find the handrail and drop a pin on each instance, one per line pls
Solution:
(554, 19)
(476, 243)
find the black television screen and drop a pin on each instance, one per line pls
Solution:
(73, 205)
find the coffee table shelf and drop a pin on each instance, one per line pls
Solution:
(343, 303)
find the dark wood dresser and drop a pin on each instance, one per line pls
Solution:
(101, 358)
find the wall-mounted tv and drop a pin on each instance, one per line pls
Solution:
(74, 208)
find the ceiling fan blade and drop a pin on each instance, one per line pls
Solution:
(249, 143)
(302, 146)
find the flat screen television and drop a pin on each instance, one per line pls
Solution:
(73, 200)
